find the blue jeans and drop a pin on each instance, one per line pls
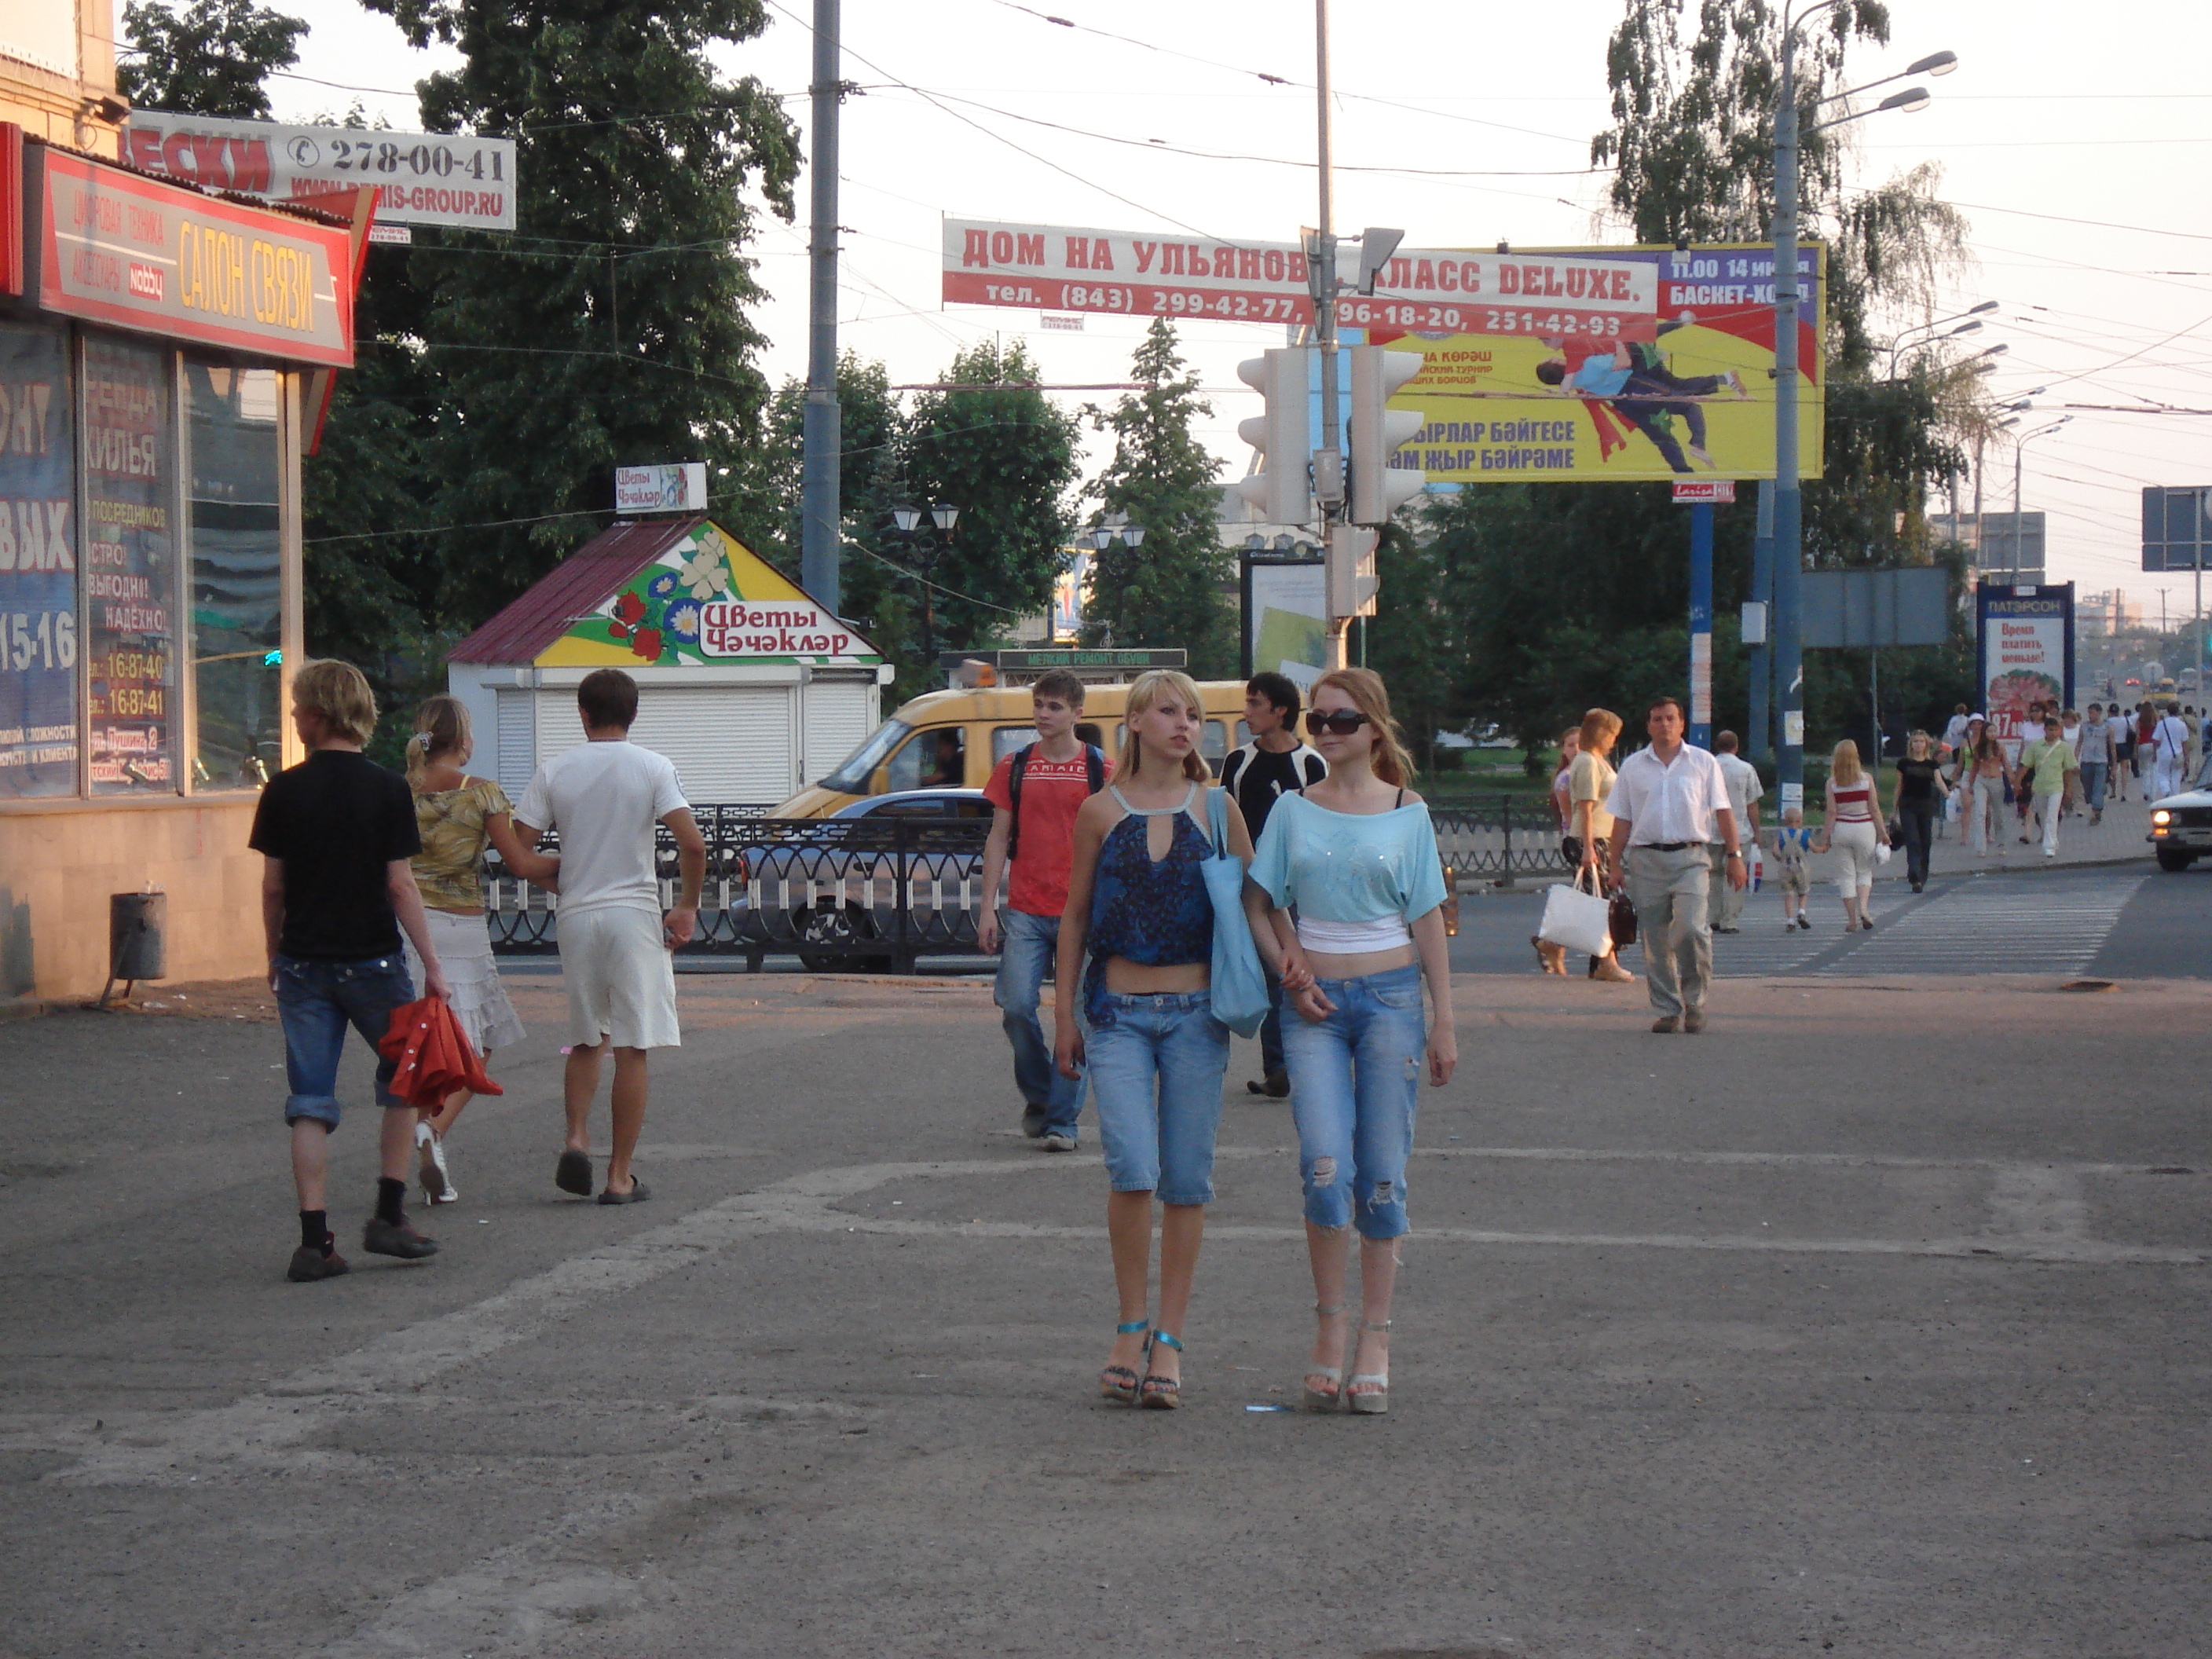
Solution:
(2092, 784)
(1156, 1079)
(1024, 956)
(1355, 1080)
(1271, 1029)
(315, 1003)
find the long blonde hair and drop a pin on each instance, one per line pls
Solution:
(1148, 689)
(441, 727)
(1364, 687)
(1843, 765)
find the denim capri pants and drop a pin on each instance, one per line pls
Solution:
(1156, 1074)
(1355, 1080)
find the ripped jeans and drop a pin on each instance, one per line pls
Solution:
(1355, 1079)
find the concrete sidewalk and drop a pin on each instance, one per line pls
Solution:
(1818, 1333)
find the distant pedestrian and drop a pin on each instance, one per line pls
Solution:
(2046, 771)
(458, 816)
(1035, 793)
(1919, 804)
(1746, 790)
(2098, 758)
(1955, 733)
(2169, 743)
(1985, 775)
(1355, 859)
(1793, 847)
(1274, 764)
(1139, 915)
(336, 834)
(1854, 830)
(604, 797)
(1589, 782)
(2146, 748)
(1553, 958)
(1669, 804)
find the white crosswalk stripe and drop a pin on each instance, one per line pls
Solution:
(2055, 923)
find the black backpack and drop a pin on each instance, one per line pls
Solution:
(1094, 761)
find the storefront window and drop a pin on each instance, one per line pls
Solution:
(129, 566)
(237, 572)
(38, 567)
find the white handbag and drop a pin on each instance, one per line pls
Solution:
(1579, 920)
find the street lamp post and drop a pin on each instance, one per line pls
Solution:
(1103, 536)
(1969, 321)
(929, 543)
(2019, 443)
(1788, 502)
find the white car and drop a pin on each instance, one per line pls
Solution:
(2181, 828)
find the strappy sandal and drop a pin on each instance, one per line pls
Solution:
(1325, 1400)
(1118, 1383)
(1376, 1400)
(1158, 1392)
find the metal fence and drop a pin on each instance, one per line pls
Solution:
(881, 893)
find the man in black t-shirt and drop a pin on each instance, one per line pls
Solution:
(1274, 764)
(336, 832)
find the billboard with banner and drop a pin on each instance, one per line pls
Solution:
(1286, 618)
(2025, 654)
(1572, 365)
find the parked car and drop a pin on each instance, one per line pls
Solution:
(2181, 828)
(838, 896)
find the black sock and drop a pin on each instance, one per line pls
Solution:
(389, 1193)
(315, 1230)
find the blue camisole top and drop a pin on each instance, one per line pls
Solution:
(1157, 913)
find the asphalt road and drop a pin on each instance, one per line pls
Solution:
(1868, 1322)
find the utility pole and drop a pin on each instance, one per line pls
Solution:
(1328, 460)
(1789, 500)
(1760, 725)
(821, 512)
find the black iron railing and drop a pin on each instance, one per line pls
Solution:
(881, 893)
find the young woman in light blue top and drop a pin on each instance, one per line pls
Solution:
(1355, 856)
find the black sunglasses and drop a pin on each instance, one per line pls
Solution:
(1342, 721)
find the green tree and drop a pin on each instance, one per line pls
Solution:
(1173, 589)
(613, 326)
(1001, 451)
(209, 58)
(1417, 638)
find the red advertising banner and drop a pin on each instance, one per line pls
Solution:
(1705, 489)
(116, 248)
(11, 208)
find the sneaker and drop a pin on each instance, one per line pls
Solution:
(1805, 922)
(310, 1264)
(1694, 1020)
(381, 1238)
(437, 1180)
(1033, 1121)
(1058, 1140)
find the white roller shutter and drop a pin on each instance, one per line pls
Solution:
(732, 744)
(560, 727)
(516, 750)
(839, 715)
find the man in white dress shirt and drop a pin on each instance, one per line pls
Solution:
(1669, 804)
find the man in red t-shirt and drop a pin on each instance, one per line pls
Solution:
(1057, 773)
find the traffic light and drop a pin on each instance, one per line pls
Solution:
(1348, 573)
(1281, 489)
(1378, 489)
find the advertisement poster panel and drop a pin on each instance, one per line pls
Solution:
(1286, 626)
(2026, 654)
(38, 566)
(130, 566)
(1564, 364)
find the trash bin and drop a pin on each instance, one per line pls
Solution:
(137, 926)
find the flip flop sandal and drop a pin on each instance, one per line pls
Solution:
(638, 1193)
(573, 1174)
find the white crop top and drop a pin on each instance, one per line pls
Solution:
(1347, 939)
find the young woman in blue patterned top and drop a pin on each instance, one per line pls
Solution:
(1137, 907)
(1355, 856)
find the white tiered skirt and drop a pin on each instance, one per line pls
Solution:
(479, 1001)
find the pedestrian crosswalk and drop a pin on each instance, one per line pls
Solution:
(2055, 923)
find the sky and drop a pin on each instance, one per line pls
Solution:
(2075, 140)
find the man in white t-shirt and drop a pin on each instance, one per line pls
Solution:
(2169, 742)
(1745, 790)
(605, 799)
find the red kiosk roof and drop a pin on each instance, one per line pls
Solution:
(572, 590)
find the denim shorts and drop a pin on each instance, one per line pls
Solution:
(1156, 1082)
(1355, 1081)
(315, 1003)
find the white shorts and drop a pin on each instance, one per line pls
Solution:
(621, 979)
(479, 1002)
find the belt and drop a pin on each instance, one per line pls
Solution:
(1667, 846)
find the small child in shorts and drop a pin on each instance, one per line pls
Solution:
(1792, 844)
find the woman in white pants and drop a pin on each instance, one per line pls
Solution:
(1855, 829)
(1983, 775)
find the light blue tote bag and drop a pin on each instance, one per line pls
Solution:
(1239, 990)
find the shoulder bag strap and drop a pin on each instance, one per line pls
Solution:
(1216, 814)
(1014, 798)
(1094, 759)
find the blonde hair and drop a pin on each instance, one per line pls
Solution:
(339, 693)
(441, 727)
(1149, 688)
(1598, 728)
(1365, 689)
(1844, 764)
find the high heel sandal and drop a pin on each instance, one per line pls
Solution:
(1158, 1392)
(1550, 959)
(1325, 1400)
(1376, 1400)
(1110, 1387)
